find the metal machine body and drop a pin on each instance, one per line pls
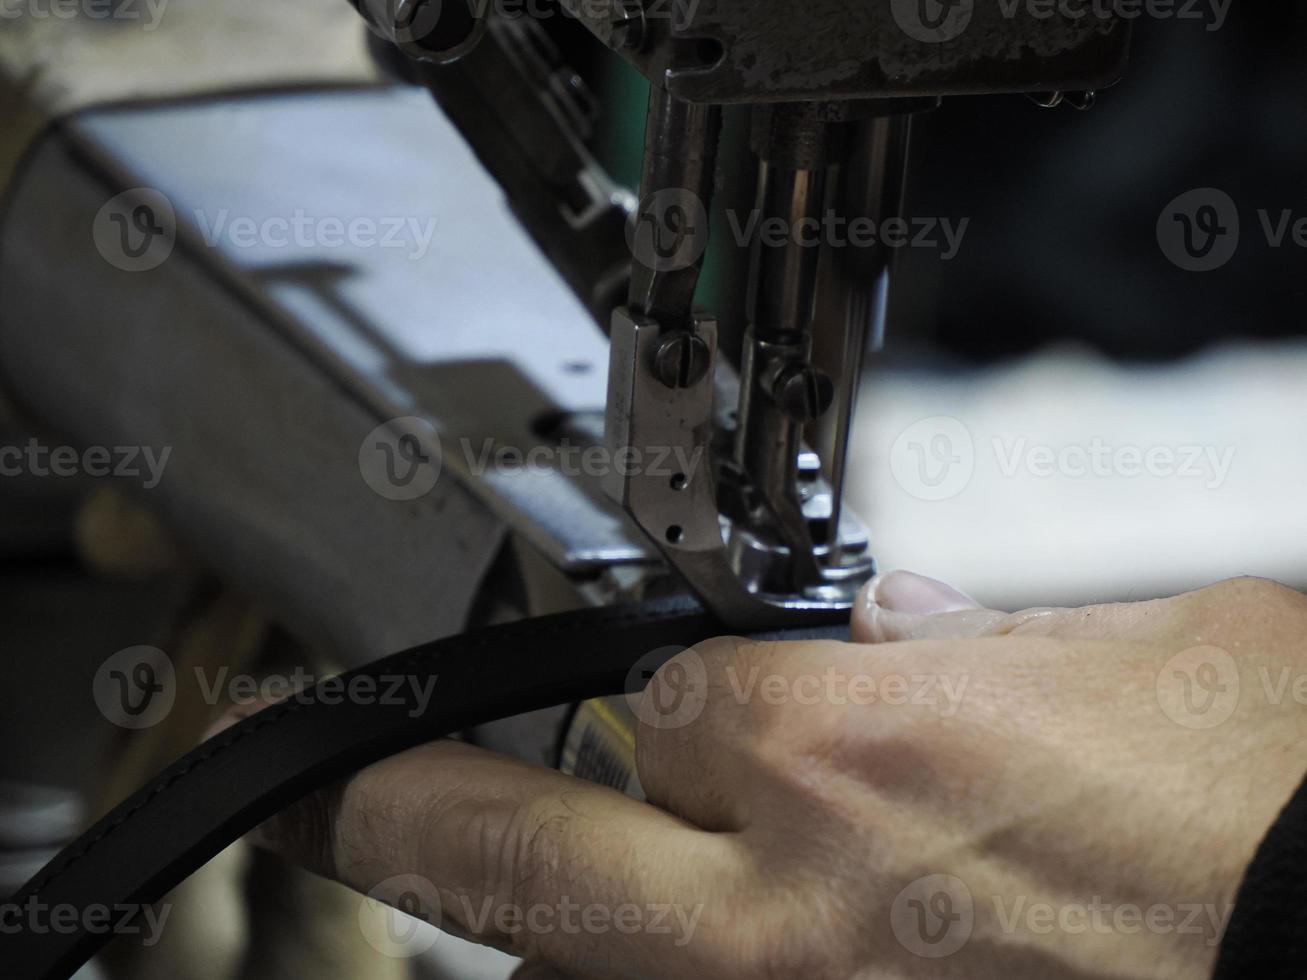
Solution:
(757, 531)
(496, 339)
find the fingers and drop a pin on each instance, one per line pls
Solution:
(530, 860)
(901, 606)
(722, 754)
(692, 734)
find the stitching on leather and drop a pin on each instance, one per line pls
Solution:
(451, 647)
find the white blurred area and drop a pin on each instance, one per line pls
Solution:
(989, 480)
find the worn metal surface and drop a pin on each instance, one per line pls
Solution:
(794, 50)
(56, 59)
(742, 577)
(265, 368)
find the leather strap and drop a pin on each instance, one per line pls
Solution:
(194, 809)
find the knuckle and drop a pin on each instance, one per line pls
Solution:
(307, 833)
(1240, 607)
(1040, 622)
(535, 849)
(1249, 588)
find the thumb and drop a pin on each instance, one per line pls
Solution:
(900, 606)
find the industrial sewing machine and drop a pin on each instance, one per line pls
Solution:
(276, 380)
(756, 525)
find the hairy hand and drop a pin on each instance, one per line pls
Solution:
(961, 793)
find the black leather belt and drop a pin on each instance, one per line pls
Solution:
(231, 784)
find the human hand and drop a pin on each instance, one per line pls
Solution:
(959, 793)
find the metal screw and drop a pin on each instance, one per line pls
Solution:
(804, 392)
(682, 360)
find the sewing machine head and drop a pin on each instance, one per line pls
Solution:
(754, 522)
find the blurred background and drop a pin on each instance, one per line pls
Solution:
(1062, 413)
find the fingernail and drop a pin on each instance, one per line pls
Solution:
(907, 592)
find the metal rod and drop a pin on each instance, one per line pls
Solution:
(676, 191)
(874, 184)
